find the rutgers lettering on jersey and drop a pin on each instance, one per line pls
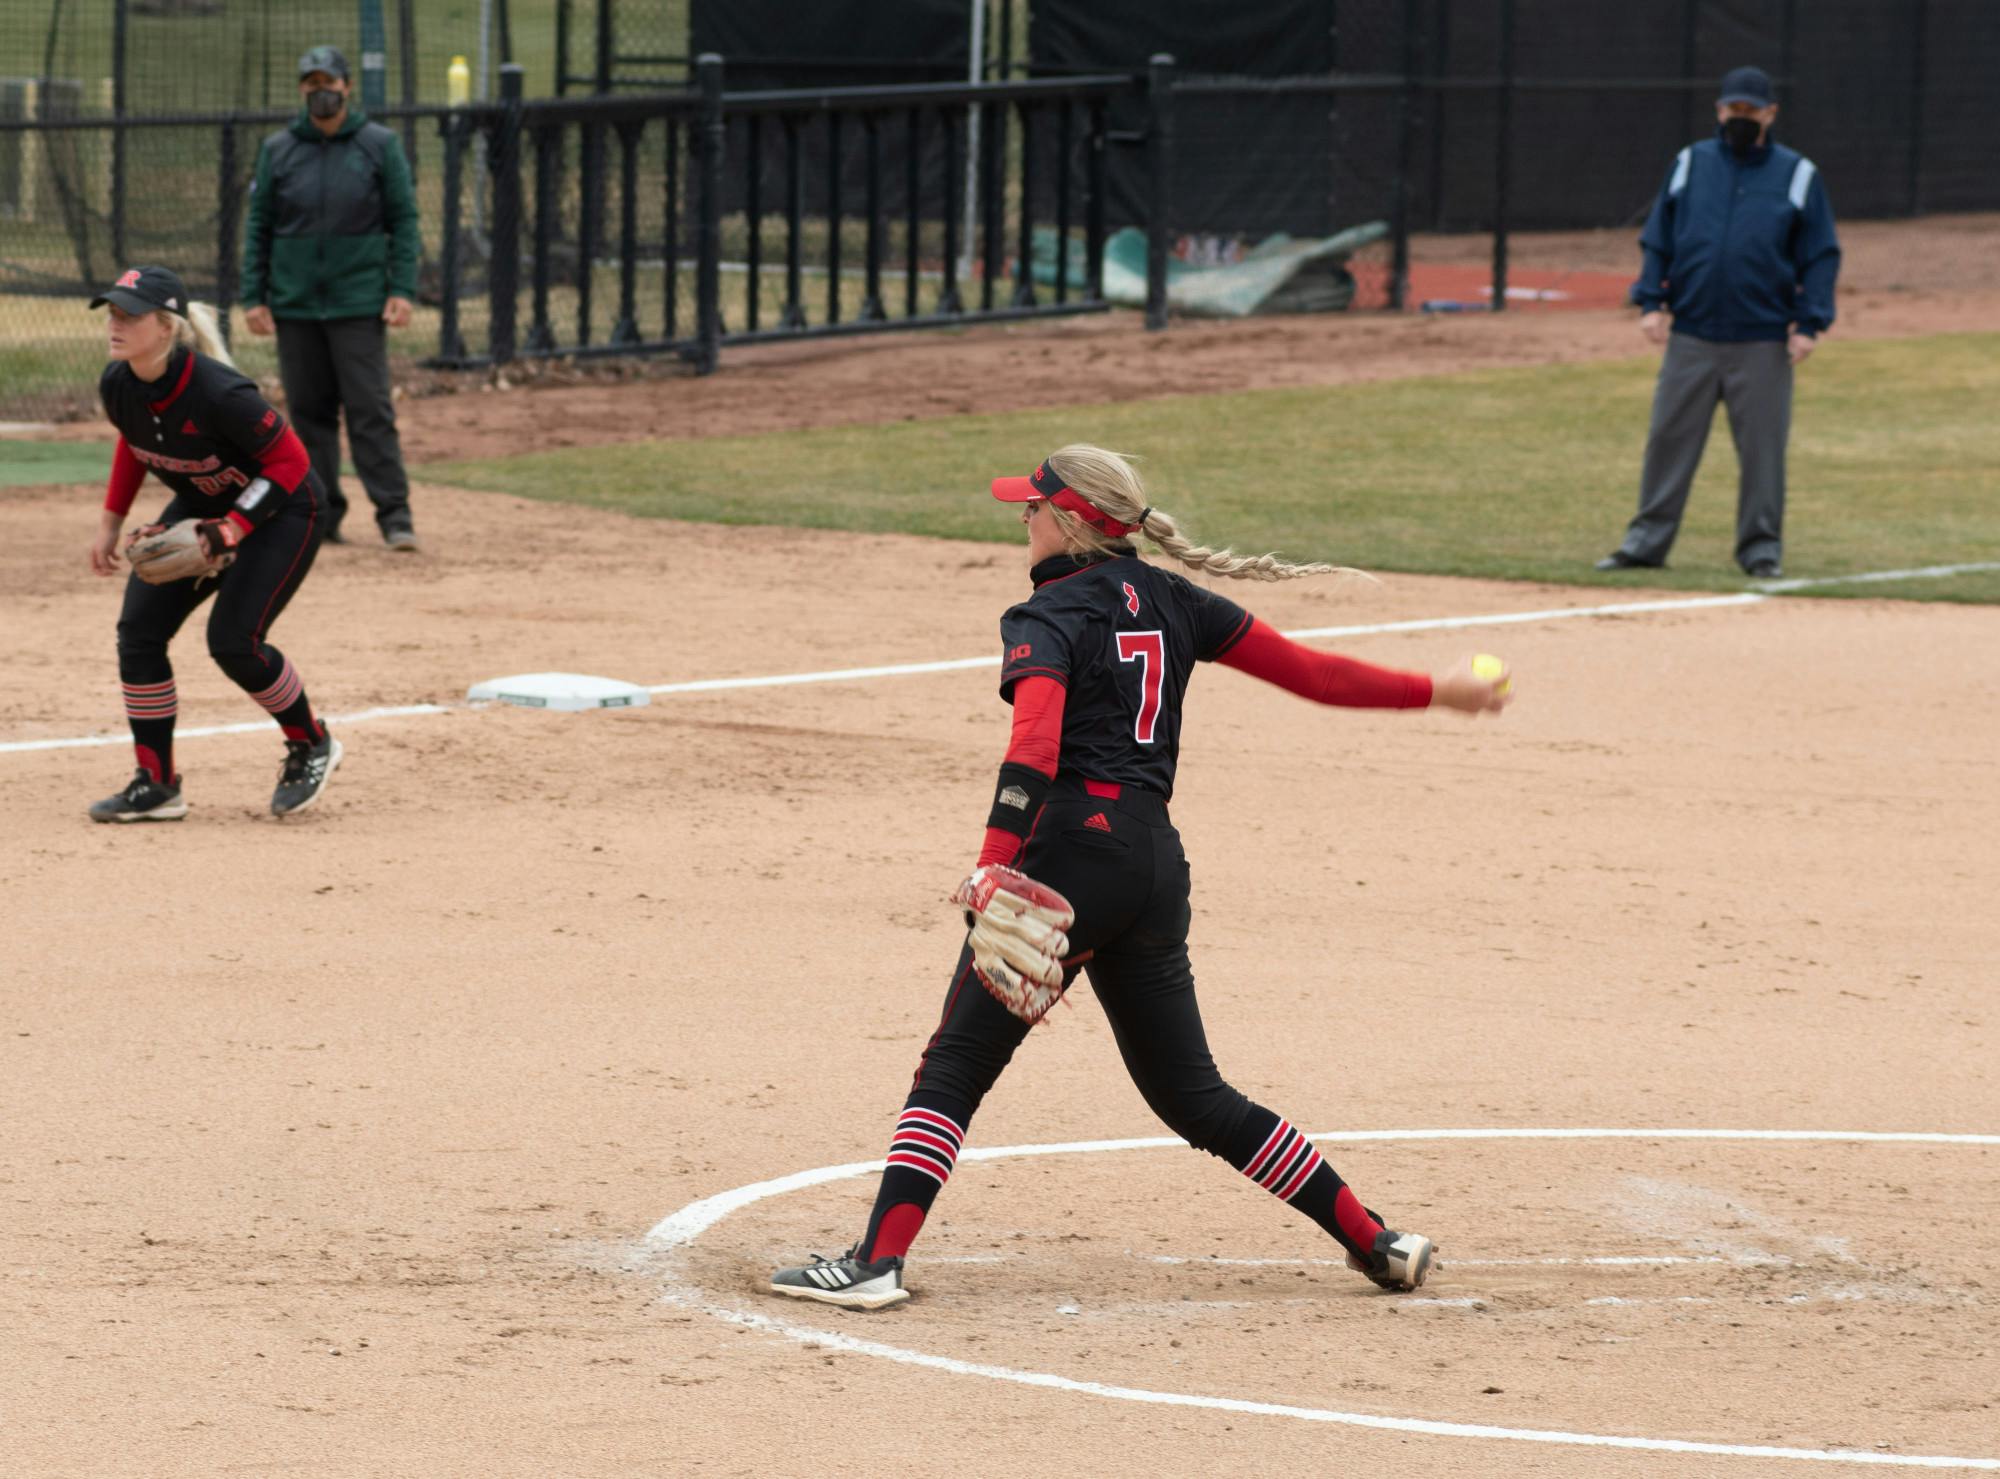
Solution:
(1122, 638)
(200, 429)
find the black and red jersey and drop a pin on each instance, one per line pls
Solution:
(205, 431)
(1122, 637)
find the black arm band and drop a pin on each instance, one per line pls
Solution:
(1017, 799)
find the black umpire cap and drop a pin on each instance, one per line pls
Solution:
(1746, 85)
(145, 290)
(325, 59)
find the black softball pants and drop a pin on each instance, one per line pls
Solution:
(1128, 881)
(270, 565)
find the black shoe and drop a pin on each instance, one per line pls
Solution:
(143, 800)
(1766, 570)
(1619, 560)
(402, 540)
(334, 536)
(307, 769)
(845, 1281)
(1399, 1262)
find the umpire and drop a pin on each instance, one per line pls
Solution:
(1740, 248)
(330, 263)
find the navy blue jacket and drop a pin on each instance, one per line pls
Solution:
(1740, 249)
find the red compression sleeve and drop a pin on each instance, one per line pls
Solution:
(1324, 677)
(285, 461)
(127, 473)
(1036, 743)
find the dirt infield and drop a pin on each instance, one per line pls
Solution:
(332, 1145)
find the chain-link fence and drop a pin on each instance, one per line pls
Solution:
(79, 204)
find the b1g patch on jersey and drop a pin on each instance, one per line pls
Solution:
(1131, 599)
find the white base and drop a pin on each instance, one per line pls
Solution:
(565, 692)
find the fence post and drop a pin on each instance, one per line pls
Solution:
(1406, 129)
(548, 149)
(120, 20)
(1920, 23)
(871, 300)
(451, 347)
(1093, 217)
(1159, 169)
(948, 298)
(226, 202)
(992, 202)
(708, 246)
(626, 330)
(1024, 240)
(406, 47)
(1503, 149)
(503, 272)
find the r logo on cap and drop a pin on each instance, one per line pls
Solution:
(130, 279)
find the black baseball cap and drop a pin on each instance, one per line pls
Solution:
(325, 59)
(1746, 85)
(145, 290)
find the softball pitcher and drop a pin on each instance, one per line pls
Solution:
(1082, 867)
(243, 526)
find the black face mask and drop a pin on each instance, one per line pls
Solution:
(325, 102)
(1740, 134)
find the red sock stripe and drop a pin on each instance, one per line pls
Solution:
(151, 700)
(1304, 1174)
(930, 1119)
(282, 694)
(1284, 1162)
(926, 1141)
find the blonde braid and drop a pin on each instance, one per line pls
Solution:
(1110, 482)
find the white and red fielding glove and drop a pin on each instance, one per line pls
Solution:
(1018, 938)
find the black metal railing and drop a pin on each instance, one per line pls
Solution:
(709, 157)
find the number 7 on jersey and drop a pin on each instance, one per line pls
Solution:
(1148, 649)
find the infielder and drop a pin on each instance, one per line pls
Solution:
(243, 525)
(1082, 867)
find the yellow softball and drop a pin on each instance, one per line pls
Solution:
(1488, 667)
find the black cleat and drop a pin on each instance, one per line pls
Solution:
(845, 1281)
(143, 800)
(307, 769)
(1765, 570)
(1399, 1263)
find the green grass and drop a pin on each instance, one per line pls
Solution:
(28, 464)
(1517, 474)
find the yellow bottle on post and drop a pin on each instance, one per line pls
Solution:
(457, 83)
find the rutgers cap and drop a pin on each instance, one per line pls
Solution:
(325, 59)
(1046, 482)
(145, 290)
(1746, 85)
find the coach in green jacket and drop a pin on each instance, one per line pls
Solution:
(330, 264)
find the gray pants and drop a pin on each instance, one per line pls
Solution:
(1755, 382)
(330, 363)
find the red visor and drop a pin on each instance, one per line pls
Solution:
(1046, 482)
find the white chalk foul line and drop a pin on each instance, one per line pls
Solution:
(261, 726)
(963, 664)
(681, 1228)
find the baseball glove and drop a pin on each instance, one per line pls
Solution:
(1018, 940)
(189, 550)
